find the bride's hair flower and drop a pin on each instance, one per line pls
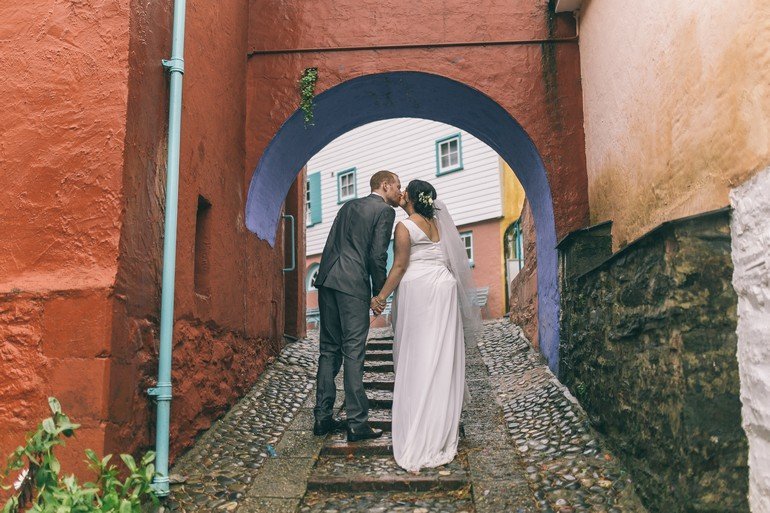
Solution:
(426, 198)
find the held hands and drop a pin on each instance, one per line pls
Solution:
(377, 305)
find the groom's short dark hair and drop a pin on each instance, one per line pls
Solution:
(380, 177)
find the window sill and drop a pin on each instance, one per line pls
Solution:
(448, 171)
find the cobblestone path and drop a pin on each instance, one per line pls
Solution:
(527, 447)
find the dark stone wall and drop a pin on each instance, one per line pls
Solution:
(649, 349)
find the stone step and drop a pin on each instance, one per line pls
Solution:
(379, 419)
(379, 380)
(381, 473)
(337, 445)
(445, 502)
(382, 337)
(381, 399)
(378, 366)
(379, 346)
(379, 356)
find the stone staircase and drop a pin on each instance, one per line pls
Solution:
(363, 476)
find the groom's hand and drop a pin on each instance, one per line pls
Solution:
(376, 306)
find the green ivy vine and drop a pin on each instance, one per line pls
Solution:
(307, 93)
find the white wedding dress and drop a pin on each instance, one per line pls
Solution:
(428, 355)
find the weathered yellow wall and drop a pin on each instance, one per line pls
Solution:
(676, 104)
(513, 203)
(513, 196)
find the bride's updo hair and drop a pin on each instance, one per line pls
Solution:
(422, 194)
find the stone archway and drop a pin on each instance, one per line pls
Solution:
(397, 94)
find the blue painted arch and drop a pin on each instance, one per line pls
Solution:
(413, 94)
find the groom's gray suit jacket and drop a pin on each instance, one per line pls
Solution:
(357, 248)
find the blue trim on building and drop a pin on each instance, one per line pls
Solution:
(316, 208)
(347, 172)
(459, 166)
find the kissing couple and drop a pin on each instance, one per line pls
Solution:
(433, 313)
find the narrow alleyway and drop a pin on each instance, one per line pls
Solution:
(527, 446)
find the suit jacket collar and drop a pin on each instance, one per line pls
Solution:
(375, 195)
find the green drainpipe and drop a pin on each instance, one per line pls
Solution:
(162, 393)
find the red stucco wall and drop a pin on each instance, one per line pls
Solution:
(64, 90)
(83, 167)
(540, 88)
(223, 337)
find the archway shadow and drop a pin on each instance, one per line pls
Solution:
(415, 95)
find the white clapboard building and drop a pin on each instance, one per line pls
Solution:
(466, 173)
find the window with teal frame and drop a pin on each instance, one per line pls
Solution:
(449, 154)
(467, 239)
(346, 185)
(312, 274)
(313, 200)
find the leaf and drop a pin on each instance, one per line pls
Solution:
(106, 460)
(54, 404)
(55, 465)
(49, 426)
(125, 506)
(149, 472)
(148, 457)
(129, 461)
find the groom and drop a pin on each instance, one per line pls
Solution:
(352, 271)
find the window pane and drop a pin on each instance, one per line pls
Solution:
(453, 161)
(468, 242)
(444, 161)
(453, 145)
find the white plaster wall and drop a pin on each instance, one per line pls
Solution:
(751, 279)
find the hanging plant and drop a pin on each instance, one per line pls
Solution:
(307, 93)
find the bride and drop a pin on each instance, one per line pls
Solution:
(433, 312)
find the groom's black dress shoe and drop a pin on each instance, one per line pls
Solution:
(363, 432)
(328, 425)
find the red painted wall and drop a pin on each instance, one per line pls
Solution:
(540, 88)
(64, 89)
(84, 152)
(488, 264)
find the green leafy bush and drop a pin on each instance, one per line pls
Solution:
(41, 488)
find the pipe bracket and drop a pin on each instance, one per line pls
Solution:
(162, 392)
(174, 64)
(160, 484)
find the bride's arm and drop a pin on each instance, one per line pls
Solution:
(400, 263)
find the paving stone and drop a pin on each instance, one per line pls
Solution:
(286, 478)
(299, 444)
(267, 505)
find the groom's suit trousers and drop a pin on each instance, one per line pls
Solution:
(344, 328)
